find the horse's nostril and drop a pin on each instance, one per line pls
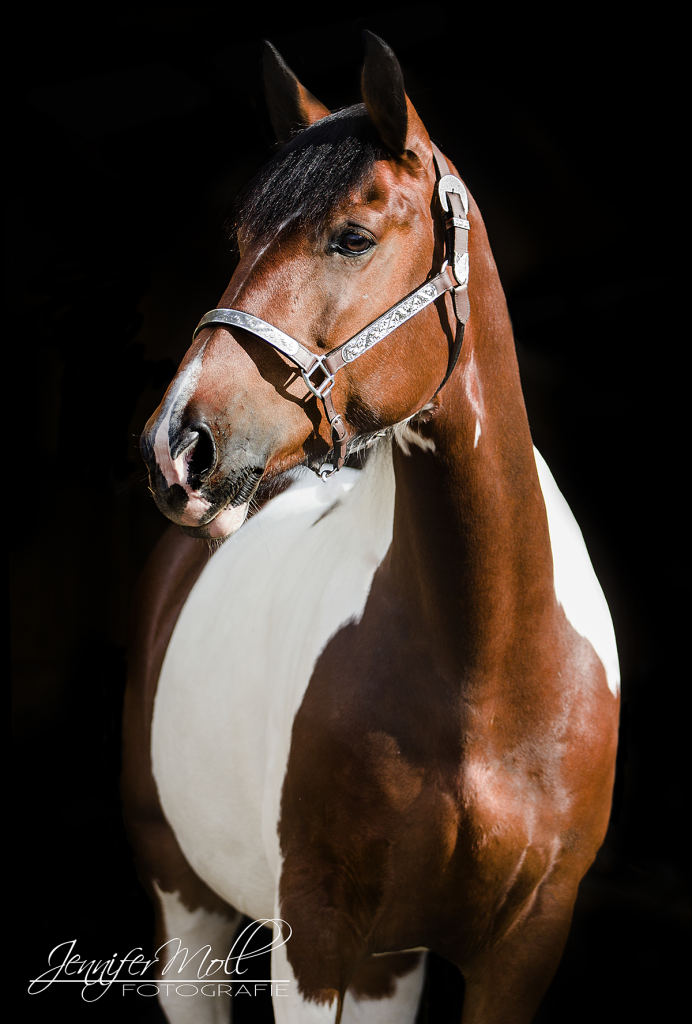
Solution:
(203, 457)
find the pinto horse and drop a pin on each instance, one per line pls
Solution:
(383, 714)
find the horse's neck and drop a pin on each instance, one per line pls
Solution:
(471, 548)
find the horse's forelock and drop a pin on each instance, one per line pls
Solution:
(311, 175)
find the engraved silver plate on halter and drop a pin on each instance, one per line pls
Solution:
(236, 318)
(457, 222)
(378, 330)
(450, 183)
(267, 331)
(461, 267)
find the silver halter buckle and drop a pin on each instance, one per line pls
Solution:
(322, 389)
(450, 183)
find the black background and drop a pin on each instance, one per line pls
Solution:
(131, 131)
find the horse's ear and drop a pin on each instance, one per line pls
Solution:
(399, 126)
(291, 106)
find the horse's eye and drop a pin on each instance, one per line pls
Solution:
(353, 243)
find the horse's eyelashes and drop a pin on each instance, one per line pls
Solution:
(353, 243)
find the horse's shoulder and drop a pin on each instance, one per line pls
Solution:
(162, 590)
(168, 576)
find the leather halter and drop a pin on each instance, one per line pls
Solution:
(453, 277)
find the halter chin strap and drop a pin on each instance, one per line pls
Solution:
(453, 277)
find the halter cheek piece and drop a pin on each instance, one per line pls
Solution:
(453, 278)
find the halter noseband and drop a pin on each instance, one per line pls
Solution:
(454, 278)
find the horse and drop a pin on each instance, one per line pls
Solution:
(382, 715)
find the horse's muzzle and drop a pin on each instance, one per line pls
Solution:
(192, 484)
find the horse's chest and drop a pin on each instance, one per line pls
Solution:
(239, 662)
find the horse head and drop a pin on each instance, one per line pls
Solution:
(337, 228)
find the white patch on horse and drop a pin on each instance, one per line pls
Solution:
(196, 929)
(405, 435)
(576, 585)
(239, 662)
(175, 471)
(399, 1008)
(474, 392)
(291, 1007)
(477, 434)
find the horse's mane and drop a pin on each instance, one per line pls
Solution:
(311, 174)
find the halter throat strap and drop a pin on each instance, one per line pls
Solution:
(318, 371)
